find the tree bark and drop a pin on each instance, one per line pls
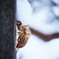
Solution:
(7, 22)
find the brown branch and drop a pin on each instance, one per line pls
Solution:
(43, 36)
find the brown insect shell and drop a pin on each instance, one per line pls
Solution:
(23, 37)
(19, 25)
(22, 41)
(26, 29)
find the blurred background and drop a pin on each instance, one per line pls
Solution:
(42, 16)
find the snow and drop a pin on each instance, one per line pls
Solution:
(38, 49)
(56, 10)
(56, 1)
(41, 18)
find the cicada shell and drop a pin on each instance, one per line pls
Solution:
(24, 34)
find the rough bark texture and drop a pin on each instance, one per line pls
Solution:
(7, 22)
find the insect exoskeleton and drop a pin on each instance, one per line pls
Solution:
(24, 34)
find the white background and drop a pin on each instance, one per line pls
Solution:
(43, 17)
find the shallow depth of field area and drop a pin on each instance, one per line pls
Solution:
(43, 17)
